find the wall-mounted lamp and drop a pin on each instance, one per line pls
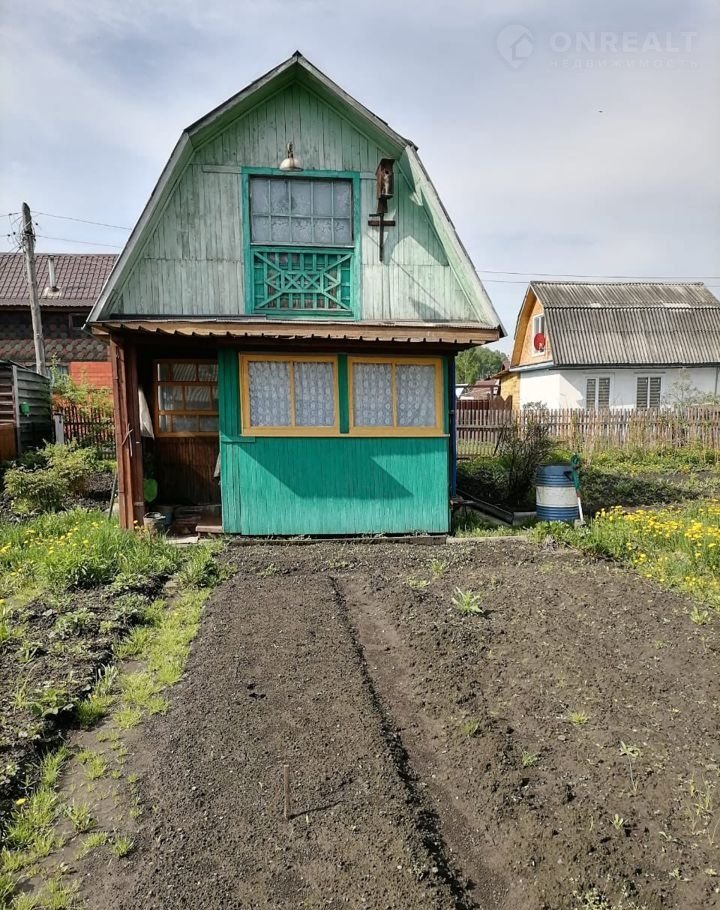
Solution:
(290, 163)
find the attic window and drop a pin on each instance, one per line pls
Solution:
(538, 340)
(301, 211)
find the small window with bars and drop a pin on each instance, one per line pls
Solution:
(597, 393)
(649, 392)
(186, 398)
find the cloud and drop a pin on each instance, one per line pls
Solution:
(96, 93)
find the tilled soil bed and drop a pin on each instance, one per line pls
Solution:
(563, 739)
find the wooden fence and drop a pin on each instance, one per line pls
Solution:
(87, 427)
(480, 428)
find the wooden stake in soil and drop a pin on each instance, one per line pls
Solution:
(286, 791)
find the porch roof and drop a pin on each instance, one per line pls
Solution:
(455, 334)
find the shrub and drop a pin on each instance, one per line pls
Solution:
(521, 453)
(41, 490)
(44, 481)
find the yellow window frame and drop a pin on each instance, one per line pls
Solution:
(395, 430)
(159, 412)
(249, 430)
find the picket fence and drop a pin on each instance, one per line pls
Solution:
(86, 426)
(479, 428)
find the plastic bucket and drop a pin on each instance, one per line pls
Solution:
(154, 522)
(555, 493)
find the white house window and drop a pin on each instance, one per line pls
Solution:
(649, 392)
(538, 341)
(597, 392)
(300, 211)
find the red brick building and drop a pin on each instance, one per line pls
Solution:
(79, 278)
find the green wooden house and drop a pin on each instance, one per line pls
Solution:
(288, 307)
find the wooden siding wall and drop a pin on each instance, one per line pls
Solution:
(17, 386)
(185, 469)
(7, 396)
(332, 485)
(192, 264)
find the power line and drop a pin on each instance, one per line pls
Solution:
(119, 227)
(604, 277)
(83, 242)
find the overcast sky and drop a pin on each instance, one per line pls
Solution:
(566, 137)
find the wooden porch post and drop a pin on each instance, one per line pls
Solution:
(128, 440)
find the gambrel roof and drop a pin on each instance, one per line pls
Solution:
(297, 70)
(629, 323)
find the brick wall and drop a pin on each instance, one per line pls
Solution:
(96, 373)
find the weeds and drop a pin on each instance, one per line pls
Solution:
(94, 764)
(417, 584)
(470, 727)
(699, 616)
(618, 822)
(677, 547)
(438, 567)
(122, 845)
(466, 602)
(577, 718)
(93, 842)
(80, 817)
(528, 759)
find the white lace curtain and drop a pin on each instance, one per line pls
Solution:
(415, 390)
(414, 393)
(314, 394)
(372, 394)
(269, 392)
(269, 382)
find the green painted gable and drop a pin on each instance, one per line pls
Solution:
(185, 258)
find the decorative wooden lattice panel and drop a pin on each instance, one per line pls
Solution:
(302, 281)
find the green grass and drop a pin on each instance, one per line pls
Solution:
(49, 557)
(78, 549)
(80, 817)
(92, 842)
(678, 547)
(94, 764)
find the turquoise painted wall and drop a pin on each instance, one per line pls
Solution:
(337, 485)
(192, 263)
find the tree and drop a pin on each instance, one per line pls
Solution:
(477, 363)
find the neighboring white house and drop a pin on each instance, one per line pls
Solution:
(611, 345)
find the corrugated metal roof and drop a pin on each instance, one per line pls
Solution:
(630, 324)
(464, 334)
(79, 277)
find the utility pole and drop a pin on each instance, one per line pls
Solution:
(28, 243)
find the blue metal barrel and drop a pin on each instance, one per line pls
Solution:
(555, 493)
